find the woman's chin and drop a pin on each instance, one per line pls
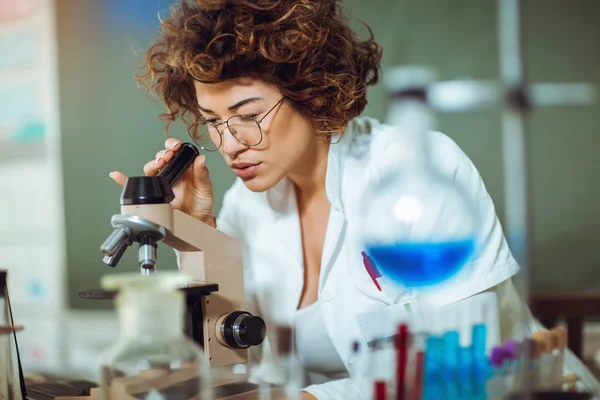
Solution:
(259, 183)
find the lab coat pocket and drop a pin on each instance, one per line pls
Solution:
(378, 327)
(381, 322)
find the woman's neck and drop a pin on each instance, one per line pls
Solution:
(309, 177)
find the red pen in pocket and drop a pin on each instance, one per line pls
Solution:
(371, 269)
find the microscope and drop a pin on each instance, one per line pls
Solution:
(215, 316)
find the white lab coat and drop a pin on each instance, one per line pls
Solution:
(269, 226)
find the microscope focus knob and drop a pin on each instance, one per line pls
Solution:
(241, 330)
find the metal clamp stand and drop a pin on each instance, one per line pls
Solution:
(517, 98)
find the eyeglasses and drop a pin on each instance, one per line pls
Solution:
(245, 129)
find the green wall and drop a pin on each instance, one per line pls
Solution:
(107, 123)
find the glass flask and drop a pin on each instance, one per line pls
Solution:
(153, 359)
(418, 224)
(10, 386)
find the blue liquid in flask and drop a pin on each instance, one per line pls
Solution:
(421, 264)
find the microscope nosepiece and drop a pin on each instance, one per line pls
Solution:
(128, 229)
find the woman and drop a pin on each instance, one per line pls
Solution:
(277, 87)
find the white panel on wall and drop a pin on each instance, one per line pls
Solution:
(31, 222)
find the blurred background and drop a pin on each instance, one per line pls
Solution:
(71, 112)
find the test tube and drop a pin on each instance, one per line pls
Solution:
(553, 340)
(538, 350)
(512, 353)
(375, 371)
(560, 343)
(380, 387)
(417, 387)
(285, 345)
(431, 372)
(481, 368)
(401, 344)
(525, 373)
(450, 364)
(495, 386)
(543, 341)
(379, 390)
(465, 372)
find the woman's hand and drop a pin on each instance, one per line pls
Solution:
(307, 396)
(193, 192)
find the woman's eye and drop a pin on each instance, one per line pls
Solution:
(212, 121)
(248, 118)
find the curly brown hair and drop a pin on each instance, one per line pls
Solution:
(303, 47)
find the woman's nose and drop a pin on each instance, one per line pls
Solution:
(231, 145)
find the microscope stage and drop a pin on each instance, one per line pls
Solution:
(195, 289)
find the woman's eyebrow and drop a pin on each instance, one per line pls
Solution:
(233, 107)
(244, 102)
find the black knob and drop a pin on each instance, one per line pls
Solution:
(253, 330)
(241, 330)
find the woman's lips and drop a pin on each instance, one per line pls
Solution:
(245, 170)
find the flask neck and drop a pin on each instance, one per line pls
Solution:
(151, 315)
(405, 144)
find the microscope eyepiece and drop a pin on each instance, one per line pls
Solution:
(183, 159)
(158, 189)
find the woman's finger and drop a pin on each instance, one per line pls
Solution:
(165, 155)
(200, 170)
(151, 168)
(173, 144)
(118, 177)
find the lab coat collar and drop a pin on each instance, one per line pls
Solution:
(335, 172)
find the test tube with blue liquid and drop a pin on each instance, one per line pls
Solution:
(454, 372)
(433, 369)
(481, 366)
(465, 372)
(450, 371)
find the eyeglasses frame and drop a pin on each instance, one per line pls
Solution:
(226, 122)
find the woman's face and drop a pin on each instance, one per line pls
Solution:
(287, 137)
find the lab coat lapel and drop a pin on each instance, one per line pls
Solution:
(282, 200)
(289, 233)
(287, 238)
(336, 226)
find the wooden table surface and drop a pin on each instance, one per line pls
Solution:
(276, 394)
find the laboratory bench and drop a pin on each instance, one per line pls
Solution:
(48, 387)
